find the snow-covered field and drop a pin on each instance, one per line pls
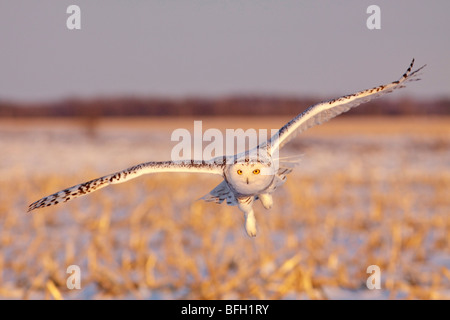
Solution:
(367, 192)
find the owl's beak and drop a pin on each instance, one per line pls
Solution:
(247, 180)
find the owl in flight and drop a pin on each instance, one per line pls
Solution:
(248, 176)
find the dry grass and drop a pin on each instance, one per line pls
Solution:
(355, 201)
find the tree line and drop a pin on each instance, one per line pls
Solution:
(225, 106)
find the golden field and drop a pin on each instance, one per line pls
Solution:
(368, 191)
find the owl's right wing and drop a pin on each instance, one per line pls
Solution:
(81, 189)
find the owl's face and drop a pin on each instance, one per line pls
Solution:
(251, 177)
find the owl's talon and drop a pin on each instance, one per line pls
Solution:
(250, 224)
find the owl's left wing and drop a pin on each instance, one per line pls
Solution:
(324, 111)
(125, 175)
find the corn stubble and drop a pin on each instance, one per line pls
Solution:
(149, 240)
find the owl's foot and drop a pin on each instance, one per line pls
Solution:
(250, 224)
(266, 200)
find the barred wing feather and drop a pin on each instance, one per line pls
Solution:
(125, 175)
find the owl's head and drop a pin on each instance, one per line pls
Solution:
(249, 176)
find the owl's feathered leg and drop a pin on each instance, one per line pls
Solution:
(245, 204)
(266, 200)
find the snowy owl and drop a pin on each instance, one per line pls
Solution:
(248, 176)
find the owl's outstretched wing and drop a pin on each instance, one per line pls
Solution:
(125, 175)
(324, 111)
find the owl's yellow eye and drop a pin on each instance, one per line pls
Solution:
(239, 171)
(256, 171)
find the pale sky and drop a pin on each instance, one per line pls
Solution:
(214, 48)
